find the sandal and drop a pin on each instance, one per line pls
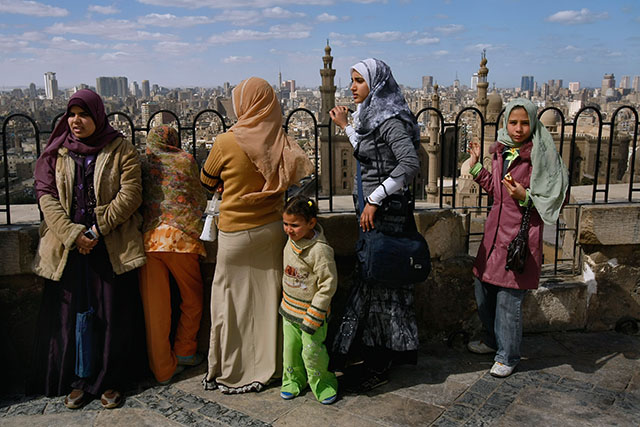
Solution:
(75, 399)
(111, 399)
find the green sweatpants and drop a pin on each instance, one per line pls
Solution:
(306, 360)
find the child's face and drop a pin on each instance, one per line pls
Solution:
(518, 126)
(297, 227)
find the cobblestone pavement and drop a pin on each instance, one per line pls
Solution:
(565, 379)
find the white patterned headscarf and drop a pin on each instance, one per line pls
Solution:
(385, 100)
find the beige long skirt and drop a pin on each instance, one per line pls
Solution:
(245, 345)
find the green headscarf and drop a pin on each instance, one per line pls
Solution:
(549, 176)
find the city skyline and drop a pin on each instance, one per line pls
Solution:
(186, 43)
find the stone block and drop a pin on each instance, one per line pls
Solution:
(609, 225)
(444, 231)
(554, 307)
(18, 246)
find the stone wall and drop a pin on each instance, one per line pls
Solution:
(606, 290)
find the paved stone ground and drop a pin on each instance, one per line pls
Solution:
(565, 379)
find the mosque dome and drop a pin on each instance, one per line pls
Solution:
(494, 106)
(549, 119)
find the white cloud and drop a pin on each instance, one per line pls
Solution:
(169, 20)
(280, 13)
(72, 44)
(385, 36)
(424, 40)
(450, 29)
(573, 17)
(225, 4)
(579, 59)
(441, 52)
(479, 47)
(174, 48)
(239, 17)
(33, 8)
(325, 17)
(104, 10)
(115, 56)
(293, 31)
(237, 59)
(109, 29)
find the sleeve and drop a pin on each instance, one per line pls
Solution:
(484, 179)
(128, 198)
(526, 200)
(389, 186)
(327, 275)
(395, 134)
(210, 174)
(59, 223)
(475, 170)
(351, 134)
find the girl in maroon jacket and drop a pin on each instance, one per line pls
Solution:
(526, 170)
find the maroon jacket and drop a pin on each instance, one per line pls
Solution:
(503, 224)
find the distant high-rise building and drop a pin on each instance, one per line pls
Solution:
(526, 83)
(474, 81)
(106, 86)
(608, 82)
(625, 82)
(122, 86)
(134, 89)
(427, 83)
(574, 87)
(559, 83)
(33, 92)
(636, 83)
(50, 84)
(226, 88)
(291, 85)
(146, 91)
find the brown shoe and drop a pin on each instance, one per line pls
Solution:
(111, 399)
(75, 399)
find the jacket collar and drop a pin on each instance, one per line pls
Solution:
(524, 152)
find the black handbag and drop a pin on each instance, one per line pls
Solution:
(390, 254)
(519, 246)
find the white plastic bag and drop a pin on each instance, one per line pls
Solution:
(210, 229)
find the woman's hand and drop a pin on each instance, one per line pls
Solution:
(84, 244)
(366, 218)
(339, 115)
(515, 189)
(474, 153)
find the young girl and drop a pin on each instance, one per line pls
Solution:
(309, 281)
(526, 170)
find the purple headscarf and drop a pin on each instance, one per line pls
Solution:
(45, 171)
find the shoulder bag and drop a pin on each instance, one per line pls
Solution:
(210, 229)
(393, 257)
(519, 246)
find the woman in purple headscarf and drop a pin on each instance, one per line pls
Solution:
(88, 185)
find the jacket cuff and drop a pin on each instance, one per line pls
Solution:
(308, 327)
(475, 170)
(527, 200)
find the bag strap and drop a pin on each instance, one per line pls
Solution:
(524, 225)
(359, 183)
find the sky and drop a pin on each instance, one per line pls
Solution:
(188, 43)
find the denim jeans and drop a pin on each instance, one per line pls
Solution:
(500, 310)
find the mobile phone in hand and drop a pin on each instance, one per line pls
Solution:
(90, 234)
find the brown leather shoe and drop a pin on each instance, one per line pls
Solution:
(75, 399)
(111, 399)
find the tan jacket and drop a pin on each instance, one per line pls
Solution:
(118, 188)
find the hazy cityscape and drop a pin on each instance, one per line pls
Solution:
(141, 102)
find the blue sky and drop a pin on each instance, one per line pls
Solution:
(207, 42)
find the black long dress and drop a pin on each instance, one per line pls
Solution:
(87, 279)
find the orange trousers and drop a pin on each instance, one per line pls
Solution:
(156, 300)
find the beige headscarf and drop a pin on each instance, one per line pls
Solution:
(259, 133)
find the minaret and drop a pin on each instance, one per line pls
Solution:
(328, 88)
(433, 147)
(481, 100)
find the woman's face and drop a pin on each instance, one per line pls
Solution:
(518, 126)
(359, 87)
(80, 122)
